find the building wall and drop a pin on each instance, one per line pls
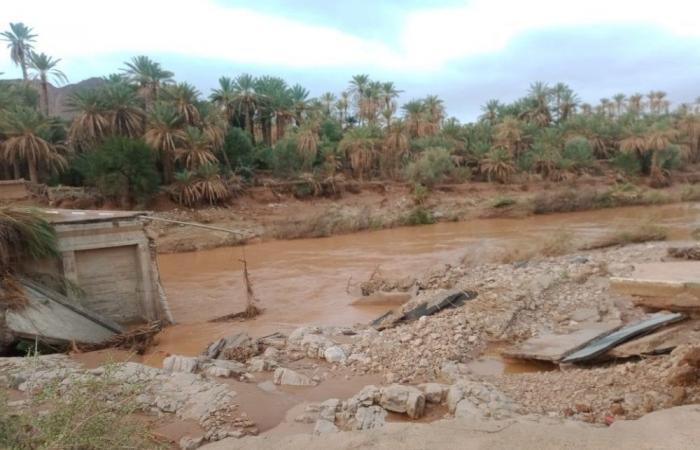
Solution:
(110, 280)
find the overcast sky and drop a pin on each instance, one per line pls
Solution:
(464, 51)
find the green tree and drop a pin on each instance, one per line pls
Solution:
(123, 169)
(19, 40)
(43, 67)
(27, 141)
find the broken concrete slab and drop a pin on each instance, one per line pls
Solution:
(554, 347)
(664, 279)
(418, 308)
(55, 322)
(663, 341)
(603, 343)
(682, 302)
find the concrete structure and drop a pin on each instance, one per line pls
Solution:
(109, 257)
(673, 286)
(11, 190)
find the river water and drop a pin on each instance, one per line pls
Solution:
(313, 281)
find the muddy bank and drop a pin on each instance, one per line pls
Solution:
(262, 214)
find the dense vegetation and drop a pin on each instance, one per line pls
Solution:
(141, 129)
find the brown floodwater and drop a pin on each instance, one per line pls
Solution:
(315, 281)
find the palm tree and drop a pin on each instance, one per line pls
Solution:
(307, 144)
(149, 76)
(327, 100)
(634, 104)
(185, 97)
(490, 111)
(509, 135)
(195, 149)
(396, 145)
(224, 96)
(435, 111)
(164, 134)
(43, 66)
(246, 99)
(619, 100)
(299, 96)
(90, 125)
(539, 96)
(25, 131)
(342, 106)
(124, 115)
(19, 40)
(274, 102)
(358, 88)
(415, 118)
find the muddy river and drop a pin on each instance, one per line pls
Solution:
(312, 281)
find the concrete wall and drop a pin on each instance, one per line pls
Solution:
(13, 190)
(110, 261)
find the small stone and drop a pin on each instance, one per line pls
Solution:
(177, 363)
(678, 395)
(616, 409)
(291, 378)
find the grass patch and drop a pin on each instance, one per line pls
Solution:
(329, 223)
(418, 216)
(691, 193)
(646, 232)
(589, 199)
(503, 202)
(560, 243)
(87, 413)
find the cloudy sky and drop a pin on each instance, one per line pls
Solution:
(464, 51)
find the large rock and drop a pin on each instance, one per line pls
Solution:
(328, 409)
(434, 392)
(238, 347)
(324, 427)
(291, 378)
(403, 399)
(334, 354)
(177, 363)
(370, 417)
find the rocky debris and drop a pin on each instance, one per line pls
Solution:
(403, 399)
(261, 364)
(421, 306)
(478, 399)
(177, 363)
(238, 347)
(289, 377)
(622, 391)
(191, 443)
(686, 370)
(691, 252)
(186, 395)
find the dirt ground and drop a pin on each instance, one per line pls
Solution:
(264, 213)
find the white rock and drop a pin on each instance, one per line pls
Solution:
(324, 427)
(334, 354)
(403, 399)
(367, 418)
(465, 408)
(177, 363)
(328, 409)
(214, 371)
(454, 395)
(291, 378)
(271, 353)
(434, 392)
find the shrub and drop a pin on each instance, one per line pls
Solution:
(90, 413)
(240, 151)
(628, 163)
(122, 169)
(433, 166)
(497, 165)
(579, 152)
(285, 160)
(203, 186)
(418, 216)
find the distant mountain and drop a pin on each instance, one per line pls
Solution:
(59, 95)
